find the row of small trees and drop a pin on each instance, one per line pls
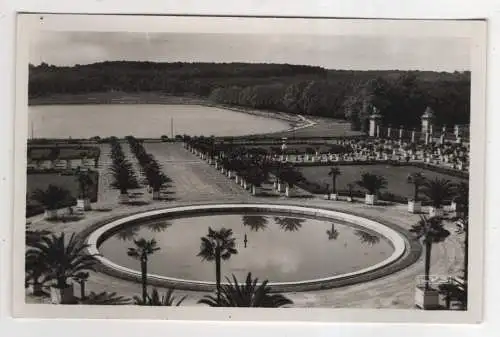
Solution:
(151, 169)
(124, 177)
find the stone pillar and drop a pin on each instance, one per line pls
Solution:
(374, 122)
(389, 132)
(413, 136)
(456, 130)
(401, 132)
(427, 137)
(378, 131)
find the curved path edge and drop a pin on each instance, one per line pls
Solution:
(401, 259)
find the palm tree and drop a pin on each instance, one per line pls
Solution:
(166, 300)
(250, 294)
(63, 258)
(438, 191)
(255, 222)
(334, 173)
(123, 177)
(431, 231)
(373, 183)
(289, 224)
(81, 278)
(51, 199)
(104, 298)
(332, 233)
(84, 180)
(417, 179)
(216, 246)
(366, 237)
(143, 248)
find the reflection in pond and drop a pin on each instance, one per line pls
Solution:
(332, 233)
(255, 222)
(128, 233)
(289, 224)
(158, 226)
(366, 237)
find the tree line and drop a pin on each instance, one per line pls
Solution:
(400, 96)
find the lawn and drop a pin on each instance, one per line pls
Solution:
(43, 180)
(396, 176)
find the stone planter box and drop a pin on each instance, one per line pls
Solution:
(433, 211)
(62, 295)
(237, 179)
(156, 195)
(349, 199)
(50, 214)
(229, 174)
(83, 204)
(426, 298)
(414, 206)
(281, 188)
(453, 206)
(256, 190)
(123, 198)
(370, 199)
(290, 192)
(334, 196)
(35, 289)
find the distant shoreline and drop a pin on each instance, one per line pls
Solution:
(156, 98)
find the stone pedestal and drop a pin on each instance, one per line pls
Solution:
(414, 206)
(426, 298)
(370, 199)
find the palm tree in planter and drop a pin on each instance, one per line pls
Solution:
(255, 177)
(334, 173)
(81, 278)
(291, 177)
(372, 183)
(123, 179)
(250, 294)
(156, 179)
(430, 231)
(64, 258)
(217, 246)
(51, 199)
(85, 181)
(143, 248)
(438, 191)
(164, 300)
(418, 180)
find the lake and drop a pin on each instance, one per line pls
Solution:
(144, 120)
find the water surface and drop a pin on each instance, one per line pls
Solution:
(278, 248)
(144, 120)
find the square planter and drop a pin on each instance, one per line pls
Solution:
(50, 214)
(83, 204)
(433, 211)
(123, 198)
(281, 188)
(334, 196)
(350, 199)
(370, 199)
(62, 295)
(156, 195)
(237, 179)
(256, 190)
(414, 206)
(289, 192)
(426, 298)
(35, 289)
(453, 206)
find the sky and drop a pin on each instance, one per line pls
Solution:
(331, 52)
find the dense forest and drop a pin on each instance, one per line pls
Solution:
(400, 96)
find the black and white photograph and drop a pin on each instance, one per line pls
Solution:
(217, 162)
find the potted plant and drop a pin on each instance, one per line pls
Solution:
(372, 183)
(334, 173)
(85, 181)
(291, 177)
(417, 179)
(430, 231)
(123, 178)
(64, 259)
(51, 199)
(437, 191)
